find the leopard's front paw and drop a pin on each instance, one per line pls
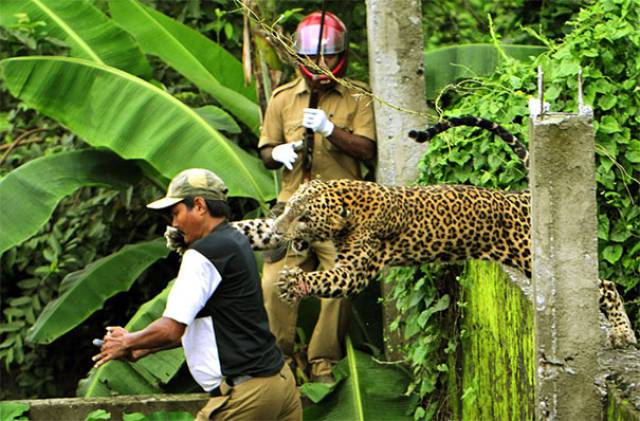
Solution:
(291, 284)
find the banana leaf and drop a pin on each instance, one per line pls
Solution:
(30, 193)
(364, 390)
(446, 65)
(158, 416)
(118, 377)
(90, 34)
(10, 411)
(84, 292)
(144, 376)
(113, 109)
(218, 118)
(202, 61)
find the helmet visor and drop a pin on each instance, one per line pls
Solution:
(333, 40)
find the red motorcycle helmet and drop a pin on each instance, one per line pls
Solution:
(334, 41)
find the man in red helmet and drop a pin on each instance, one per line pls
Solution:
(344, 136)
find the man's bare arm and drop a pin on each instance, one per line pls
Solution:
(267, 158)
(358, 147)
(118, 343)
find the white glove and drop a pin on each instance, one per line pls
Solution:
(317, 121)
(175, 240)
(286, 153)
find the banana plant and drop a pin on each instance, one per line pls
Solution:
(110, 108)
(202, 61)
(34, 189)
(89, 33)
(364, 390)
(85, 291)
(135, 129)
(134, 378)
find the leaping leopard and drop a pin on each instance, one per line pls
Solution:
(374, 225)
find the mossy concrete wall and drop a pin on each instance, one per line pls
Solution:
(496, 365)
(71, 409)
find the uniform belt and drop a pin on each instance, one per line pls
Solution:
(230, 381)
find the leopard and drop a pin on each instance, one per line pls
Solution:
(373, 226)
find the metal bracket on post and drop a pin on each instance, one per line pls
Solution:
(582, 109)
(537, 107)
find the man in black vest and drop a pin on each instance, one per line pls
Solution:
(215, 310)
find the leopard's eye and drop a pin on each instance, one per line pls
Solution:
(303, 218)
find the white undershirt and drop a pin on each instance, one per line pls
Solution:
(197, 280)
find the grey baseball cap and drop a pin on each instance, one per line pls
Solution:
(192, 182)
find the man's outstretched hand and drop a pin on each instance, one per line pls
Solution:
(114, 346)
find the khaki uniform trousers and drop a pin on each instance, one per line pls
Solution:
(325, 345)
(260, 398)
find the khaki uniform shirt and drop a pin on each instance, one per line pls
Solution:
(283, 124)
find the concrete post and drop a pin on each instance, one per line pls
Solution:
(396, 74)
(565, 267)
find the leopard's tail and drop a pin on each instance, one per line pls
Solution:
(450, 122)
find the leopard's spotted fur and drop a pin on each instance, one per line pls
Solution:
(373, 226)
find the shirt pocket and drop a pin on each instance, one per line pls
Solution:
(293, 131)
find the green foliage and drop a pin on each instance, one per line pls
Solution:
(37, 187)
(88, 32)
(364, 390)
(85, 291)
(88, 224)
(111, 109)
(158, 416)
(206, 64)
(13, 411)
(444, 66)
(452, 22)
(101, 414)
(423, 298)
(606, 45)
(92, 222)
(98, 414)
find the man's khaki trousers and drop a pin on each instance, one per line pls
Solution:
(260, 398)
(325, 345)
